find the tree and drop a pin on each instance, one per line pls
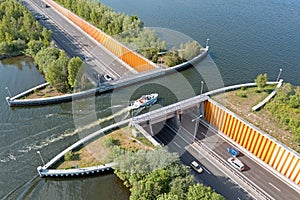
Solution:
(57, 74)
(261, 81)
(34, 46)
(74, 66)
(201, 192)
(189, 50)
(45, 57)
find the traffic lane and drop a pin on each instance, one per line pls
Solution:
(260, 176)
(68, 28)
(104, 56)
(271, 184)
(211, 176)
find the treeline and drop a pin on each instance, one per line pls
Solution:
(20, 33)
(159, 175)
(60, 71)
(285, 107)
(128, 29)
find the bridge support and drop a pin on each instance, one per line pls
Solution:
(175, 121)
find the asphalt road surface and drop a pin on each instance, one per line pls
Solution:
(182, 140)
(75, 42)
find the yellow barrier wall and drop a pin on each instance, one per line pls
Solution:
(267, 149)
(133, 59)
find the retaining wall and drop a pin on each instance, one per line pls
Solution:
(283, 159)
(133, 59)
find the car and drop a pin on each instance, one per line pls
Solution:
(107, 77)
(195, 165)
(236, 163)
(86, 58)
(43, 17)
(233, 151)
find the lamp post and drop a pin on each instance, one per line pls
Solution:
(196, 124)
(280, 70)
(8, 91)
(202, 83)
(38, 152)
(207, 43)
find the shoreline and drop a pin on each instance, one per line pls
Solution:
(105, 87)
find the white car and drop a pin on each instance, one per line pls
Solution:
(195, 165)
(107, 77)
(236, 163)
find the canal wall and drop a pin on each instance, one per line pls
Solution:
(104, 87)
(282, 159)
(45, 171)
(128, 56)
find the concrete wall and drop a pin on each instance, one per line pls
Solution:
(281, 158)
(133, 59)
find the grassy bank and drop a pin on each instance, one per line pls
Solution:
(241, 101)
(99, 151)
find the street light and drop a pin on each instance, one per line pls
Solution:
(280, 70)
(196, 124)
(8, 91)
(207, 43)
(202, 83)
(38, 152)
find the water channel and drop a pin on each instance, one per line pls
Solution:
(245, 38)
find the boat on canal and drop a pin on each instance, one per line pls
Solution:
(145, 100)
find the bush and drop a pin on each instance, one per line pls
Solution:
(242, 94)
(71, 156)
(110, 141)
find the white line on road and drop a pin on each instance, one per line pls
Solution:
(177, 145)
(275, 187)
(206, 170)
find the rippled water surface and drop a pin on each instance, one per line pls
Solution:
(246, 38)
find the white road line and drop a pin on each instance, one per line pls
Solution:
(275, 187)
(206, 170)
(177, 145)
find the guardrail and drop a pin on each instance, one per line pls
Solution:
(44, 171)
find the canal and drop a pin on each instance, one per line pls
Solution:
(245, 40)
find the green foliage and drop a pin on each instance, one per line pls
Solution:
(261, 81)
(71, 156)
(285, 108)
(17, 28)
(189, 50)
(45, 57)
(242, 94)
(154, 174)
(57, 73)
(172, 58)
(74, 71)
(201, 192)
(110, 141)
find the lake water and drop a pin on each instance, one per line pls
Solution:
(246, 39)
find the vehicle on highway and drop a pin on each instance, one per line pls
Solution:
(195, 165)
(236, 163)
(43, 17)
(233, 151)
(145, 100)
(86, 58)
(107, 77)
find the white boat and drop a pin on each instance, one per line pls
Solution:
(145, 100)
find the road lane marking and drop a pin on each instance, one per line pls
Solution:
(275, 187)
(206, 170)
(177, 145)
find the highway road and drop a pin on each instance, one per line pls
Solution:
(182, 141)
(77, 43)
